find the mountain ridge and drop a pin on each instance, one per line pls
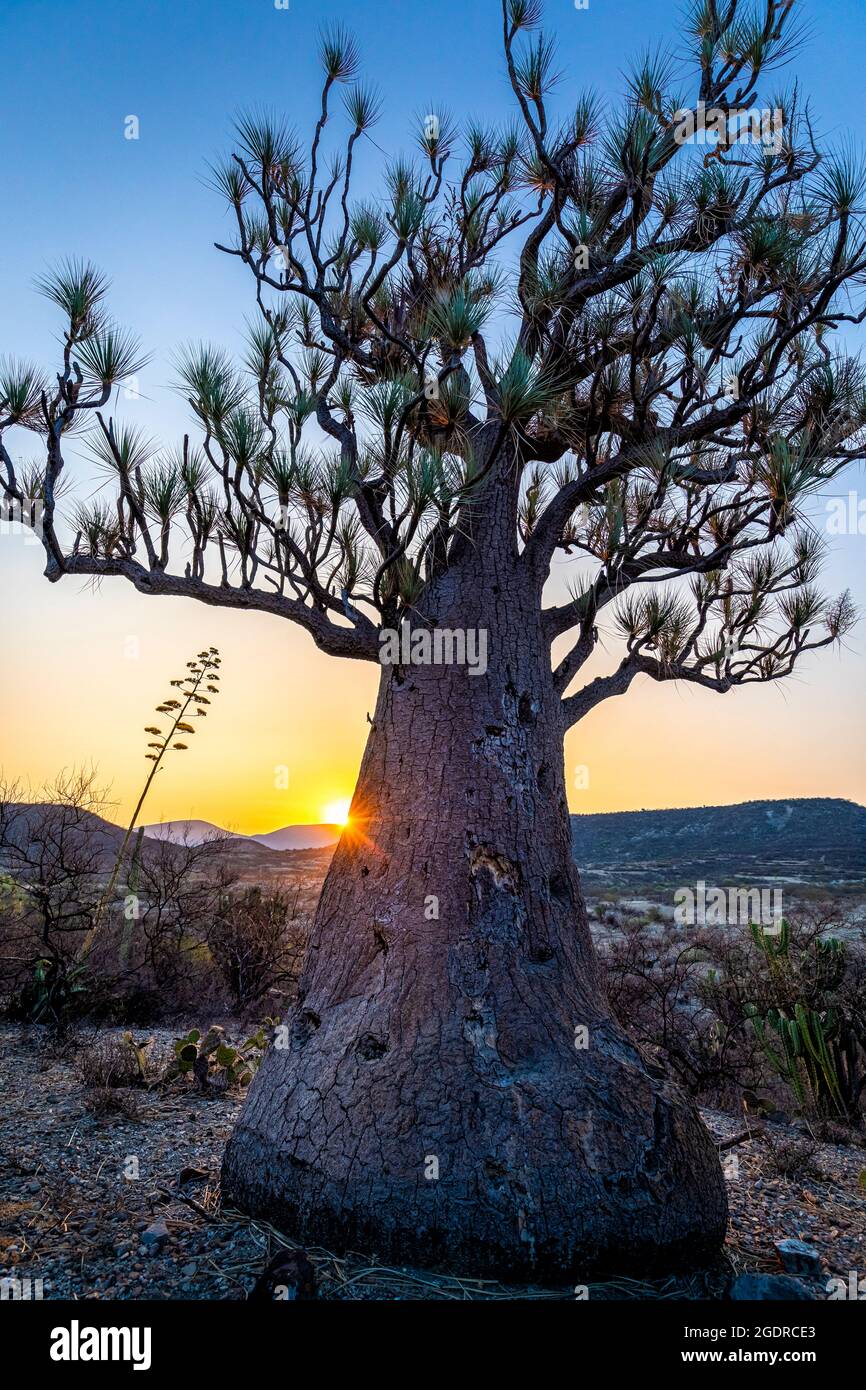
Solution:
(815, 842)
(795, 823)
(285, 837)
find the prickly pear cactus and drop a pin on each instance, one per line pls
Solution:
(215, 1063)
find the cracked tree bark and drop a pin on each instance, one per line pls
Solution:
(449, 969)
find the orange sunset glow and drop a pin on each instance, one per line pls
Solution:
(284, 743)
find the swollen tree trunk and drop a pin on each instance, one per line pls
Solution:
(454, 1090)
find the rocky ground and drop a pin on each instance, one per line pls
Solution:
(126, 1205)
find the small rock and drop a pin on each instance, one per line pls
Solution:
(188, 1270)
(751, 1288)
(796, 1257)
(155, 1237)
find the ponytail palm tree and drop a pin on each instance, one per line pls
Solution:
(571, 336)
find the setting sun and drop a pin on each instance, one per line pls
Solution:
(336, 812)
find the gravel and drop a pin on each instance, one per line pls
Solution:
(111, 1207)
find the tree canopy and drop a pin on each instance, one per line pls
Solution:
(633, 335)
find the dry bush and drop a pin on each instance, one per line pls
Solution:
(177, 936)
(111, 1062)
(105, 1101)
(53, 849)
(257, 942)
(180, 888)
(690, 999)
(151, 951)
(789, 1157)
(659, 986)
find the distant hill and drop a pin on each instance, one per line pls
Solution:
(186, 832)
(27, 820)
(288, 837)
(253, 862)
(817, 845)
(300, 837)
(816, 840)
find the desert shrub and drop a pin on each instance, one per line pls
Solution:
(657, 984)
(52, 852)
(105, 1101)
(789, 1157)
(732, 1007)
(257, 941)
(174, 935)
(180, 888)
(151, 944)
(111, 1062)
(150, 959)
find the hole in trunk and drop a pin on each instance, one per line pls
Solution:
(560, 889)
(543, 778)
(371, 1048)
(539, 955)
(303, 1028)
(527, 709)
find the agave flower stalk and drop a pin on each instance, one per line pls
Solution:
(191, 704)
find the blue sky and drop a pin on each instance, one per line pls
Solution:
(73, 185)
(140, 208)
(72, 71)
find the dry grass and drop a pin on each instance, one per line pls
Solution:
(109, 1101)
(353, 1276)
